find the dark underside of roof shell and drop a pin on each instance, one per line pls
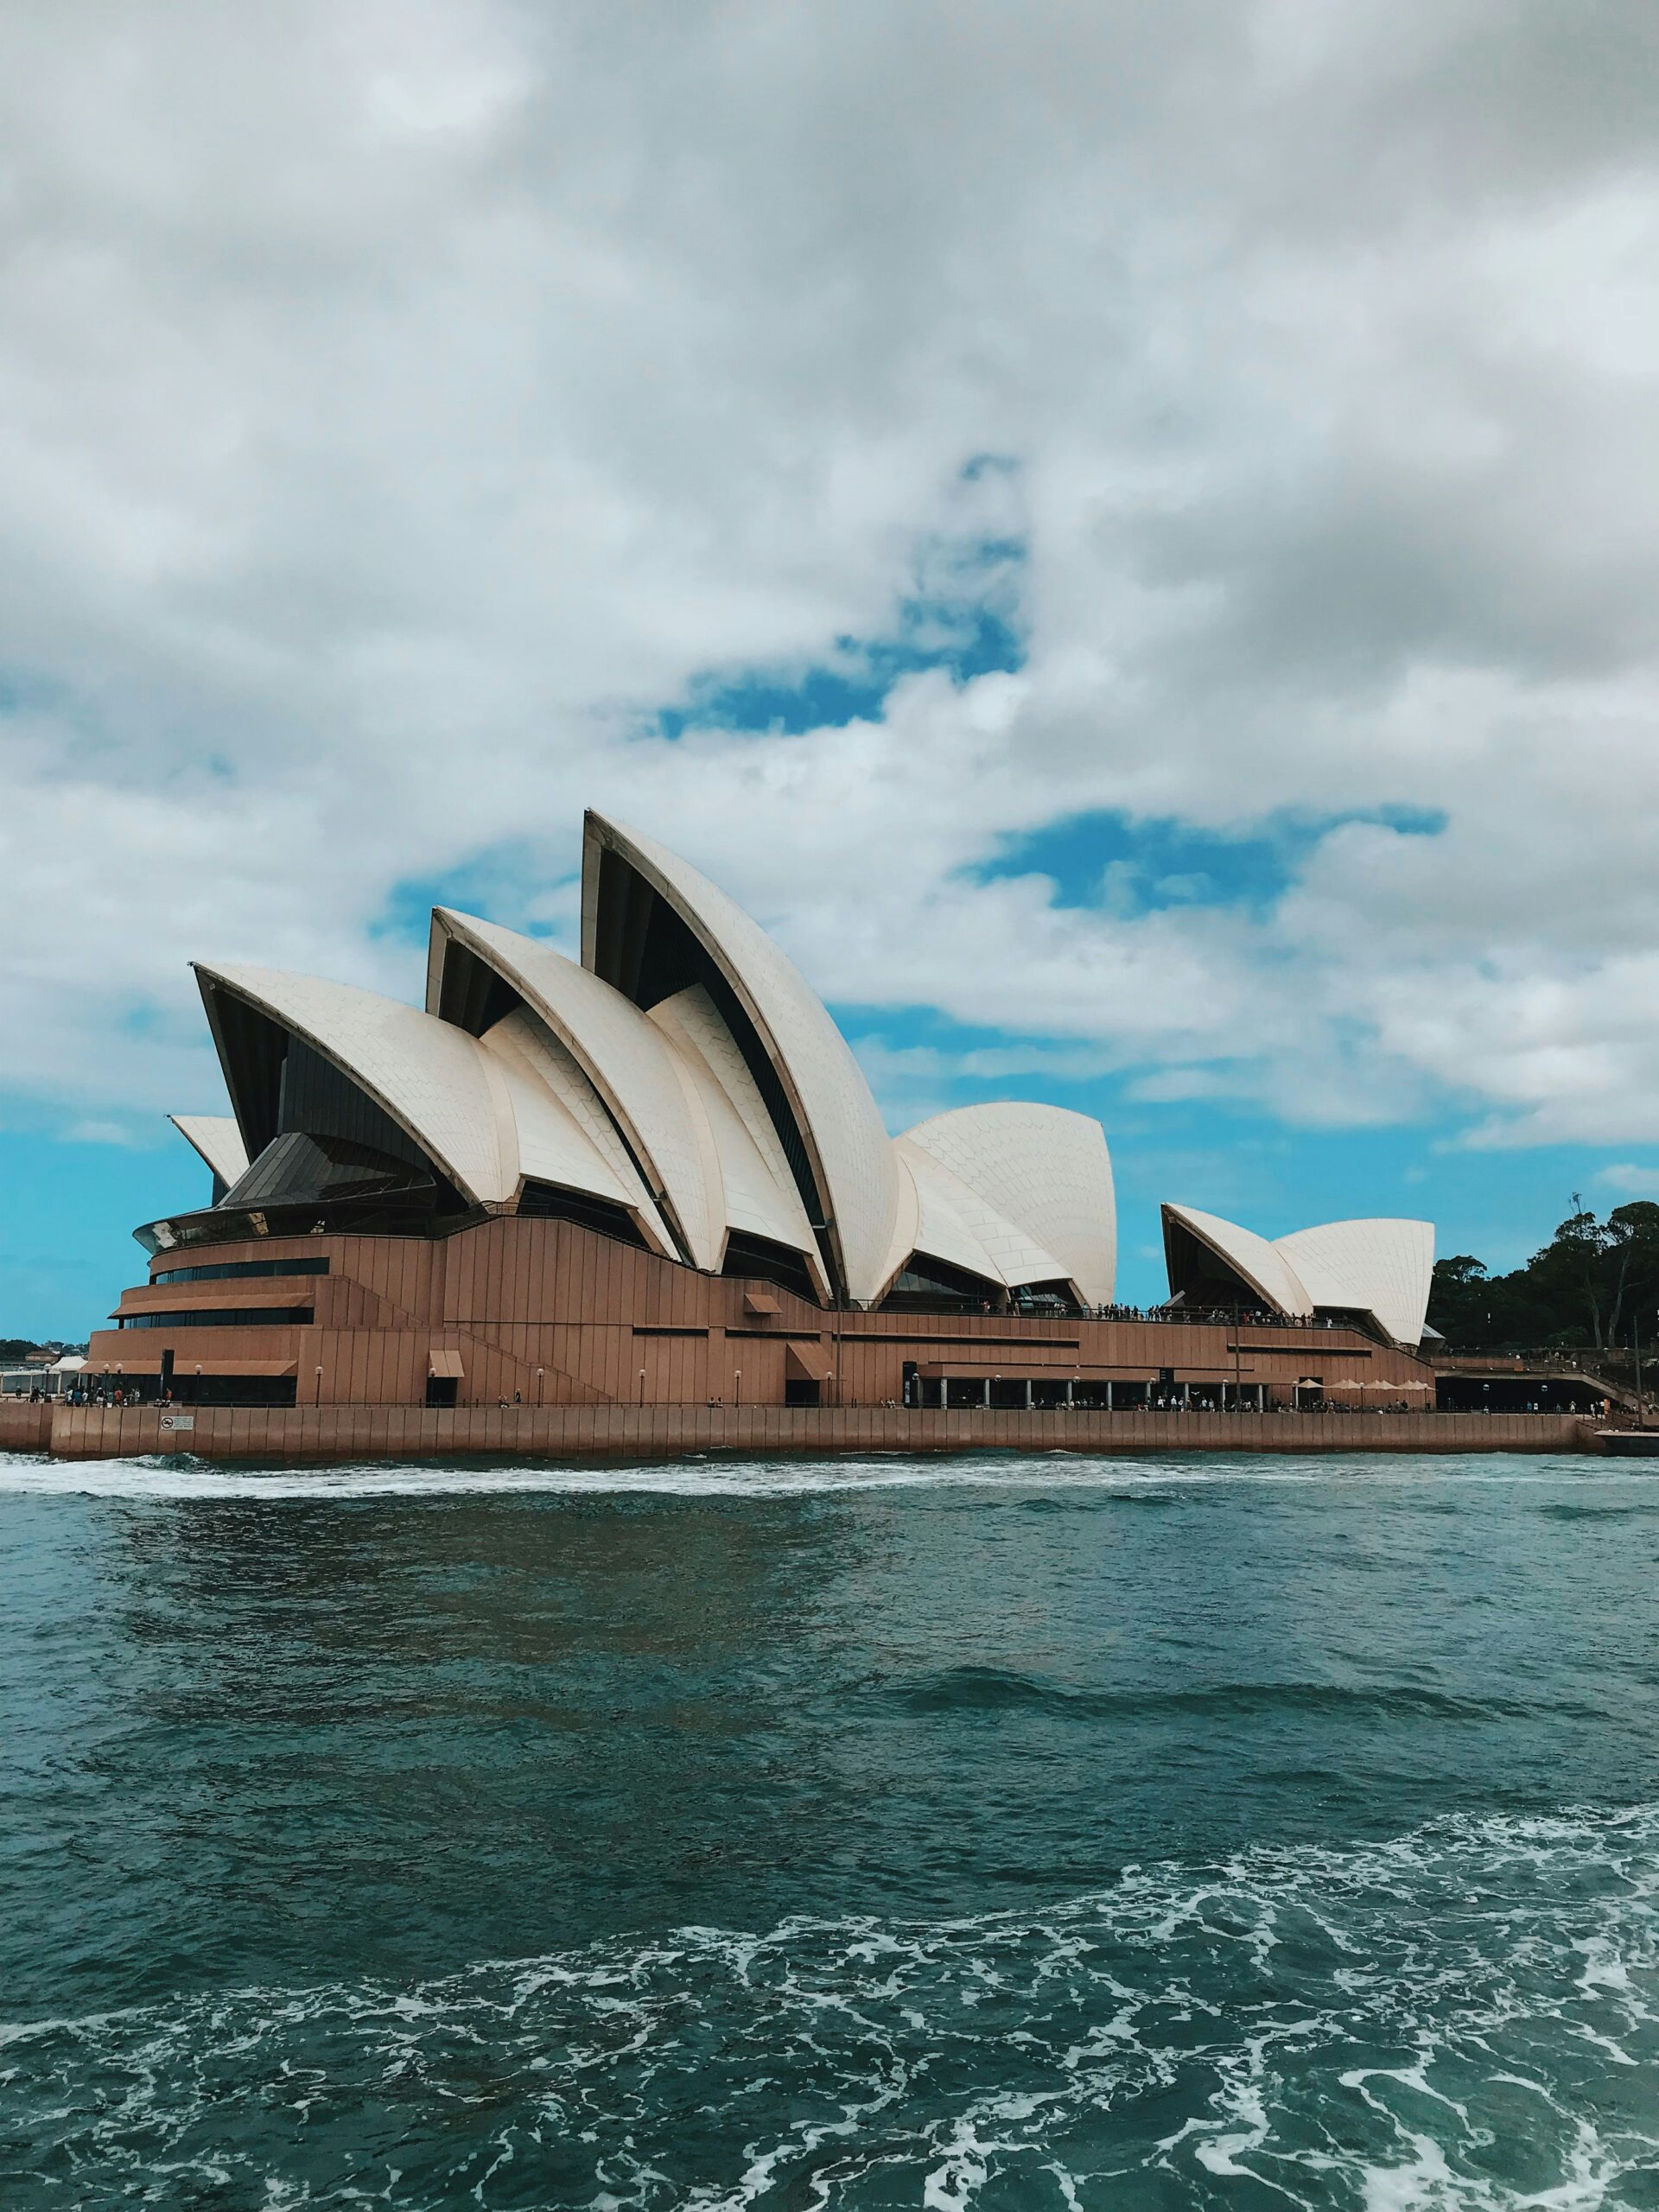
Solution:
(1198, 1275)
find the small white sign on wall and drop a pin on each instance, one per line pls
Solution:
(176, 1421)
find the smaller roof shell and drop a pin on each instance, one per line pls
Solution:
(1384, 1267)
(956, 1224)
(1259, 1264)
(624, 1056)
(757, 1191)
(215, 1139)
(1046, 1171)
(435, 1082)
(564, 1137)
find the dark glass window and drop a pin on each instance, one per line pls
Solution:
(757, 1257)
(930, 1285)
(547, 1202)
(222, 1317)
(319, 1101)
(295, 1169)
(1044, 1298)
(251, 1047)
(233, 1389)
(226, 1268)
(318, 1141)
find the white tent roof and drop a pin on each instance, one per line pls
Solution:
(563, 1135)
(956, 1224)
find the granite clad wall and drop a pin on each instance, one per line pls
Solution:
(370, 1432)
(560, 1315)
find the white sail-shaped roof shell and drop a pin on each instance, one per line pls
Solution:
(1381, 1268)
(955, 1223)
(1384, 1267)
(758, 1192)
(624, 1056)
(1046, 1171)
(435, 1082)
(705, 1091)
(564, 1137)
(215, 1139)
(852, 1156)
(1261, 1265)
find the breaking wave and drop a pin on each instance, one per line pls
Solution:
(1047, 1477)
(1464, 2017)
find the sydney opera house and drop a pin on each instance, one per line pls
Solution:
(658, 1177)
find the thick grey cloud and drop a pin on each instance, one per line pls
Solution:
(400, 404)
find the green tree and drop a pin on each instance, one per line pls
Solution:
(1594, 1281)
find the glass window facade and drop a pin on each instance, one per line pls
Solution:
(226, 1269)
(222, 1317)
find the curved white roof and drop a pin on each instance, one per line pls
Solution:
(1384, 1267)
(625, 1058)
(1261, 1264)
(564, 1135)
(216, 1139)
(1045, 1170)
(436, 1082)
(856, 1173)
(758, 1191)
(956, 1223)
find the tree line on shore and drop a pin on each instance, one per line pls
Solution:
(1596, 1282)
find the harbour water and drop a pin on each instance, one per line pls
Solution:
(985, 1832)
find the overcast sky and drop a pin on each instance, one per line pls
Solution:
(1125, 535)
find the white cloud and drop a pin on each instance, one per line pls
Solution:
(1632, 1182)
(89, 1131)
(399, 405)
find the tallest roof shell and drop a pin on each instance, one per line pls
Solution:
(851, 1156)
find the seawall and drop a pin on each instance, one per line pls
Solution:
(353, 1432)
(24, 1427)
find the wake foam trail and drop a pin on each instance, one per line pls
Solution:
(1463, 2018)
(1141, 1477)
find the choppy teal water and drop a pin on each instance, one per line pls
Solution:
(1004, 1835)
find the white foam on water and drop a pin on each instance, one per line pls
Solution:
(185, 1478)
(1401, 2027)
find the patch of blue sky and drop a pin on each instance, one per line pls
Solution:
(963, 617)
(1133, 865)
(65, 1230)
(499, 884)
(1233, 1157)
